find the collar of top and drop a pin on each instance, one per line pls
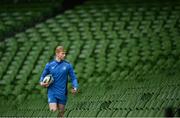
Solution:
(58, 60)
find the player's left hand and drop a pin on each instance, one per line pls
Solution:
(73, 91)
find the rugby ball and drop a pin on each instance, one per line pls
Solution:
(48, 79)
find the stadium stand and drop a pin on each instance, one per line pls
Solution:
(18, 17)
(125, 55)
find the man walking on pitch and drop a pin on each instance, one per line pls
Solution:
(57, 91)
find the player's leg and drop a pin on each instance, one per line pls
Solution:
(61, 108)
(52, 103)
(53, 107)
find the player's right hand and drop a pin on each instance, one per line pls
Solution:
(44, 84)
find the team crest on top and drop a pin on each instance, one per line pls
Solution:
(64, 68)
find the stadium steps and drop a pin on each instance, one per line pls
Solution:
(125, 57)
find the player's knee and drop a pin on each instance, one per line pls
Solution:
(61, 109)
(53, 109)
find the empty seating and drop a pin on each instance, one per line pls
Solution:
(125, 57)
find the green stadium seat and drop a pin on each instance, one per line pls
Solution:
(120, 113)
(105, 113)
(75, 113)
(91, 113)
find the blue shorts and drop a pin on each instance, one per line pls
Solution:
(54, 99)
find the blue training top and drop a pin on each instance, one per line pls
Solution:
(59, 71)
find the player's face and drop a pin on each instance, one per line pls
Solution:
(61, 55)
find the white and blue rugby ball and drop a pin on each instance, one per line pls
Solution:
(48, 79)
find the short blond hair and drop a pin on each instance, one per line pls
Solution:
(59, 49)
